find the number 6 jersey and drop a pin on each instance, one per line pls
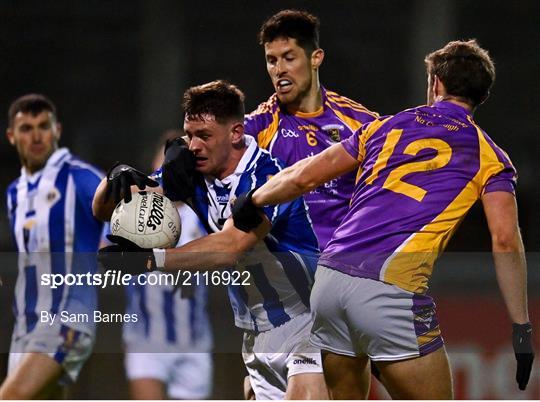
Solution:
(420, 172)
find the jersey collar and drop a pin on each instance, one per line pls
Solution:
(452, 107)
(54, 160)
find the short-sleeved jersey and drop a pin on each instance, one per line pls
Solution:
(168, 319)
(292, 137)
(282, 265)
(50, 214)
(420, 172)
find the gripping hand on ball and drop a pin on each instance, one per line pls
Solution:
(121, 177)
(126, 256)
(246, 215)
(178, 170)
(523, 349)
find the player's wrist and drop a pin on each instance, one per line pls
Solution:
(252, 199)
(159, 258)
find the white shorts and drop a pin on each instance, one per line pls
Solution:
(68, 347)
(187, 375)
(358, 316)
(271, 357)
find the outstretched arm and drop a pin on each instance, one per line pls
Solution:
(304, 176)
(217, 250)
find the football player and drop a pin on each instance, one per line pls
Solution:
(270, 298)
(419, 172)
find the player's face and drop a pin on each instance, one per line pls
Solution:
(290, 70)
(35, 137)
(212, 144)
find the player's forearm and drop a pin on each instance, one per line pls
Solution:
(102, 209)
(285, 186)
(511, 270)
(214, 251)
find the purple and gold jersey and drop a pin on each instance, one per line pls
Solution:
(420, 172)
(292, 137)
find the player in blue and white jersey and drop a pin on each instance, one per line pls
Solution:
(273, 309)
(51, 219)
(168, 350)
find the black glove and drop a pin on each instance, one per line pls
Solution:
(126, 256)
(121, 177)
(246, 215)
(178, 171)
(521, 340)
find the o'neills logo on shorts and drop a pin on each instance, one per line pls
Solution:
(156, 213)
(306, 360)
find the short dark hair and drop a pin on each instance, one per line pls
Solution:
(465, 69)
(219, 98)
(299, 25)
(31, 103)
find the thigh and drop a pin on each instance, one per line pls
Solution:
(424, 377)
(147, 389)
(35, 376)
(307, 386)
(347, 377)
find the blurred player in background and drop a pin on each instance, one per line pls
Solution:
(168, 350)
(419, 171)
(271, 304)
(50, 212)
(302, 118)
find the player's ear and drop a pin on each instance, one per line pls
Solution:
(237, 133)
(438, 87)
(317, 58)
(58, 130)
(10, 136)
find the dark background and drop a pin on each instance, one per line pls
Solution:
(117, 69)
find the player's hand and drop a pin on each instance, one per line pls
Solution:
(126, 256)
(523, 349)
(246, 215)
(178, 171)
(121, 177)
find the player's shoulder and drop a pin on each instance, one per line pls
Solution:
(268, 106)
(264, 109)
(79, 167)
(344, 103)
(263, 164)
(12, 187)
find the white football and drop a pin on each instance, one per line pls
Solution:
(150, 220)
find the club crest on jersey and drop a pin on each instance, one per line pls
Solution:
(333, 131)
(52, 196)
